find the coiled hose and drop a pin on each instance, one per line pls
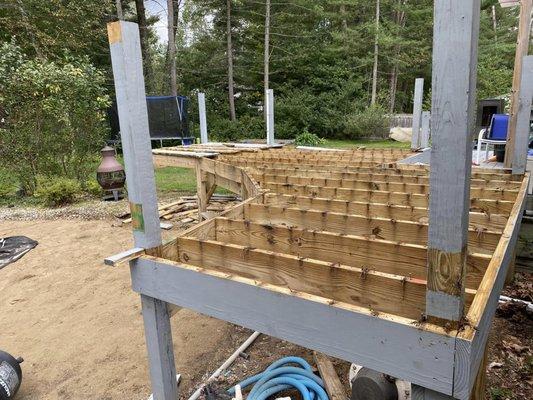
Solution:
(279, 376)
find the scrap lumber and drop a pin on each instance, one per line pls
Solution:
(333, 384)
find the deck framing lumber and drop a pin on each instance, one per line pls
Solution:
(306, 320)
(351, 224)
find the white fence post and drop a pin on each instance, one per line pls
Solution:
(425, 130)
(203, 118)
(269, 103)
(417, 112)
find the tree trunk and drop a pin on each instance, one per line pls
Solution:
(120, 14)
(177, 4)
(145, 50)
(376, 51)
(343, 16)
(231, 97)
(267, 44)
(267, 51)
(400, 21)
(494, 22)
(171, 48)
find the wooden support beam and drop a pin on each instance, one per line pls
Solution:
(522, 47)
(356, 251)
(158, 335)
(381, 228)
(307, 321)
(417, 112)
(201, 189)
(523, 116)
(375, 290)
(455, 42)
(126, 60)
(478, 221)
(133, 116)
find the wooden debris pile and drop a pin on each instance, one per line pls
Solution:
(185, 209)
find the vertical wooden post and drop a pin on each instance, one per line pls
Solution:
(203, 118)
(201, 189)
(133, 117)
(455, 43)
(160, 350)
(417, 112)
(124, 43)
(522, 45)
(424, 131)
(523, 114)
(269, 103)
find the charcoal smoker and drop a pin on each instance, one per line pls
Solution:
(110, 175)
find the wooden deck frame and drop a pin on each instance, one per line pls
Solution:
(300, 297)
(444, 362)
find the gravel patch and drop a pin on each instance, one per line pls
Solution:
(87, 210)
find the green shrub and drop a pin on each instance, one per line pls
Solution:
(55, 116)
(93, 188)
(369, 123)
(8, 185)
(308, 139)
(57, 191)
(246, 127)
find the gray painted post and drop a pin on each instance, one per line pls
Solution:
(455, 43)
(203, 118)
(133, 117)
(523, 117)
(417, 112)
(421, 393)
(424, 131)
(126, 60)
(158, 335)
(269, 103)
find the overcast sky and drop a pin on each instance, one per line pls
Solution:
(158, 8)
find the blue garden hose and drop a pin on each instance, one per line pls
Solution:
(278, 377)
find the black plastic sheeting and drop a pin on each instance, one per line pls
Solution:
(14, 247)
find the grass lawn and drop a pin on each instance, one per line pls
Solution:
(175, 179)
(374, 144)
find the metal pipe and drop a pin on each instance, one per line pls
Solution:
(225, 365)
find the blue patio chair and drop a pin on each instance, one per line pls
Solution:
(494, 135)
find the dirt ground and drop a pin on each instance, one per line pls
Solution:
(79, 328)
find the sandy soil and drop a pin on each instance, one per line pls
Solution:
(79, 328)
(77, 323)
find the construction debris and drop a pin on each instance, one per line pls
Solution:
(185, 209)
